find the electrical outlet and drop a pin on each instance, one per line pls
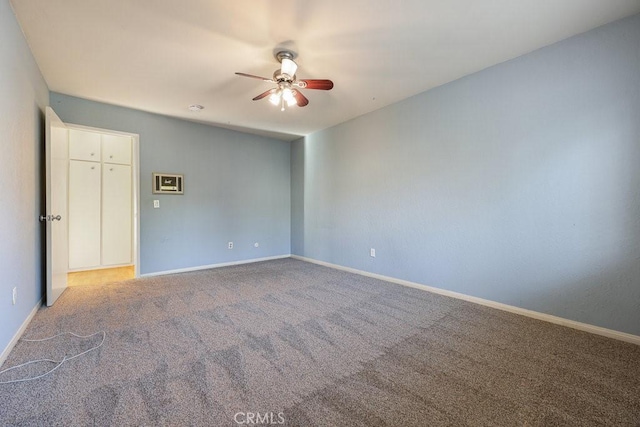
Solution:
(230, 245)
(156, 204)
(15, 295)
(372, 253)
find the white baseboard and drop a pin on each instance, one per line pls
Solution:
(18, 334)
(609, 333)
(207, 267)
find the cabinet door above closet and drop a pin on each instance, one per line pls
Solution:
(84, 145)
(116, 149)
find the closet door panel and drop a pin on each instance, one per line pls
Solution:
(116, 149)
(116, 215)
(84, 214)
(84, 145)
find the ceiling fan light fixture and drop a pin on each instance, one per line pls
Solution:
(274, 98)
(288, 67)
(287, 94)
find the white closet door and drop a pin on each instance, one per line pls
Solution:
(116, 214)
(84, 214)
(116, 149)
(84, 145)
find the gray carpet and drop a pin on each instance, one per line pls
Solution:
(310, 346)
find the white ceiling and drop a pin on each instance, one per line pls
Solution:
(163, 55)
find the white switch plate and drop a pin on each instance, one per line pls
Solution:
(15, 295)
(156, 204)
(372, 253)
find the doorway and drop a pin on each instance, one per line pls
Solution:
(103, 193)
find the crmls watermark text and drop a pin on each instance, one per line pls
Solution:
(256, 418)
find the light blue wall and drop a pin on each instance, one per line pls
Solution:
(237, 187)
(297, 196)
(23, 97)
(518, 184)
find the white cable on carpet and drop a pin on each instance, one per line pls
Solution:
(59, 362)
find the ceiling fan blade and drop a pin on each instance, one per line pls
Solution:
(301, 100)
(264, 94)
(255, 77)
(316, 84)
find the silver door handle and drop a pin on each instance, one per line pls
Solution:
(50, 218)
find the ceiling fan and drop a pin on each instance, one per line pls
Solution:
(287, 90)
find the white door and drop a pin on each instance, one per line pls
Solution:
(84, 214)
(116, 214)
(56, 163)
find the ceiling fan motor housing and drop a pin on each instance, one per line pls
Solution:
(288, 70)
(279, 77)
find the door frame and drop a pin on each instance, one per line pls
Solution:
(135, 172)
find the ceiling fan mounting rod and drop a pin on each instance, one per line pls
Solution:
(285, 54)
